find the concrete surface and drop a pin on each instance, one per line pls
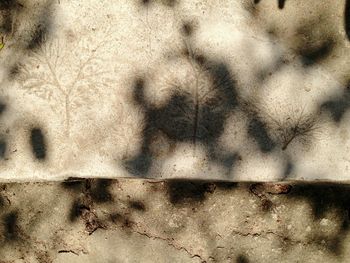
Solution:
(175, 221)
(225, 90)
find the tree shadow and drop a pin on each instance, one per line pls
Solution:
(87, 193)
(182, 192)
(347, 18)
(27, 29)
(168, 3)
(338, 106)
(242, 259)
(312, 55)
(3, 142)
(11, 226)
(281, 3)
(191, 192)
(322, 198)
(185, 119)
(259, 132)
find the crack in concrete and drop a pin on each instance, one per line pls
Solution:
(263, 234)
(170, 243)
(68, 251)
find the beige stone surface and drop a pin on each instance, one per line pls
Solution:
(226, 90)
(173, 221)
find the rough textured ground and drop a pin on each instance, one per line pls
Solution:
(176, 221)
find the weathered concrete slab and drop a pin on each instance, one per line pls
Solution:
(140, 221)
(229, 90)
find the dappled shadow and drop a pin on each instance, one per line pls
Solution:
(186, 119)
(314, 41)
(258, 131)
(323, 197)
(311, 55)
(169, 3)
(347, 18)
(10, 225)
(323, 200)
(100, 192)
(7, 9)
(3, 141)
(196, 118)
(188, 193)
(24, 29)
(338, 106)
(184, 192)
(87, 192)
(281, 3)
(186, 202)
(183, 118)
(98, 189)
(242, 259)
(39, 28)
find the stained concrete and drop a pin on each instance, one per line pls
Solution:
(230, 90)
(174, 221)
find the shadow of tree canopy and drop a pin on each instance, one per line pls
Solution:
(29, 27)
(10, 226)
(322, 198)
(315, 40)
(183, 192)
(24, 27)
(242, 259)
(347, 18)
(169, 3)
(185, 119)
(7, 8)
(281, 3)
(94, 191)
(187, 198)
(314, 54)
(338, 106)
